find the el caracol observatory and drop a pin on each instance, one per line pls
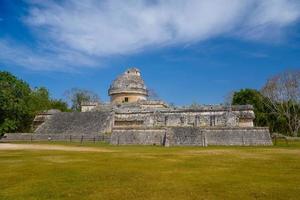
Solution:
(131, 118)
(128, 87)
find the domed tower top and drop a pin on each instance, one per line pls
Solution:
(133, 71)
(128, 87)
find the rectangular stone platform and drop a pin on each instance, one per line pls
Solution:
(190, 136)
(166, 136)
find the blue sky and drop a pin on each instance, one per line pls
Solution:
(187, 51)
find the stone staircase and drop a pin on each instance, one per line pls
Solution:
(77, 123)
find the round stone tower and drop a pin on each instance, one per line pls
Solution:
(128, 87)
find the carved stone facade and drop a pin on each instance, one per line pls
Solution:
(205, 116)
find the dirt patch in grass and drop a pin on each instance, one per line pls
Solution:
(209, 151)
(283, 151)
(8, 146)
(61, 159)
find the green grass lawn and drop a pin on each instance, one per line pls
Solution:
(151, 172)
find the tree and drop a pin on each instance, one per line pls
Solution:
(228, 98)
(283, 98)
(14, 95)
(152, 94)
(19, 104)
(77, 96)
(255, 98)
(194, 105)
(60, 105)
(39, 100)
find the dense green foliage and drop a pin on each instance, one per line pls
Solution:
(253, 97)
(14, 99)
(263, 115)
(19, 103)
(40, 100)
(60, 105)
(148, 172)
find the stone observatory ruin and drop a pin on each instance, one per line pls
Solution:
(131, 118)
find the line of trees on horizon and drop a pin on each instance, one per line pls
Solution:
(276, 105)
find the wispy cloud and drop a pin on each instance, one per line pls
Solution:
(94, 29)
(16, 54)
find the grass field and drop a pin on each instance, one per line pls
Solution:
(102, 171)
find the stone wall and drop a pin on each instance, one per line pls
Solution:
(172, 136)
(187, 117)
(186, 136)
(138, 136)
(219, 136)
(192, 136)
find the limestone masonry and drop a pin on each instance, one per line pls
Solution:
(130, 118)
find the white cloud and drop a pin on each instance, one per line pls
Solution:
(96, 29)
(269, 18)
(13, 53)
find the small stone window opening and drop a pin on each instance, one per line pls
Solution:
(197, 119)
(126, 99)
(212, 120)
(182, 120)
(166, 120)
